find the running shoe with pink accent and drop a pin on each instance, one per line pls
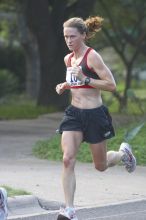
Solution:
(67, 214)
(128, 158)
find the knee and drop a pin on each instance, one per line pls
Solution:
(68, 162)
(100, 167)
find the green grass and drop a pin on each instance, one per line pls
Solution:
(22, 111)
(51, 150)
(141, 93)
(21, 107)
(134, 107)
(15, 192)
(138, 143)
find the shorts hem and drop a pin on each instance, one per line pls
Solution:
(61, 131)
(98, 141)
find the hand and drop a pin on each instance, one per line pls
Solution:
(77, 72)
(60, 88)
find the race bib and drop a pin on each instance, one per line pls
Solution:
(71, 79)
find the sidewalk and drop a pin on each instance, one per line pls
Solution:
(42, 178)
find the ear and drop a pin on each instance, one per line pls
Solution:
(84, 36)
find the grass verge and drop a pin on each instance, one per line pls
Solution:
(22, 111)
(51, 150)
(15, 192)
(21, 107)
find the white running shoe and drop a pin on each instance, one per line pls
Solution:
(128, 158)
(67, 214)
(3, 204)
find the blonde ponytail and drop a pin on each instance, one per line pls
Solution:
(89, 26)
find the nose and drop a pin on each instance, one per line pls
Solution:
(69, 40)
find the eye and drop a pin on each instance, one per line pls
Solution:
(72, 37)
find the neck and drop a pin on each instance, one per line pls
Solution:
(80, 51)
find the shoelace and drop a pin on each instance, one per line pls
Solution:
(129, 154)
(72, 214)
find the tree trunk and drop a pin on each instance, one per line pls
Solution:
(124, 99)
(51, 53)
(47, 27)
(28, 42)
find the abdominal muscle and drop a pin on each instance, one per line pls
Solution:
(86, 98)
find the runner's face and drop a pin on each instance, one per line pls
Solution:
(73, 38)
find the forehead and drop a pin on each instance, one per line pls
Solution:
(70, 31)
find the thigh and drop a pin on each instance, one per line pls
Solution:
(70, 142)
(99, 155)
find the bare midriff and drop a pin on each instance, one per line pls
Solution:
(85, 98)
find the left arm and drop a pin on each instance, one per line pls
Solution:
(95, 62)
(106, 81)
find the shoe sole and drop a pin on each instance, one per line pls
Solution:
(133, 161)
(62, 217)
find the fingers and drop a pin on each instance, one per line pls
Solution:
(77, 72)
(59, 88)
(76, 69)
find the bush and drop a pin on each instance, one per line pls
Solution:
(13, 59)
(8, 83)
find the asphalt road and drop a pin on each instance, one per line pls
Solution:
(126, 211)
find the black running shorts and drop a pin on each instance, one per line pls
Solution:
(95, 124)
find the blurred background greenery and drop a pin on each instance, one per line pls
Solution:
(32, 48)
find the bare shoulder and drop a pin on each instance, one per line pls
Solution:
(66, 58)
(94, 56)
(96, 62)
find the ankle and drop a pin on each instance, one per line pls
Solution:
(70, 208)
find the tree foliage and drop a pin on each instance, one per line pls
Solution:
(40, 34)
(125, 29)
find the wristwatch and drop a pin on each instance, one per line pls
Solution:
(87, 80)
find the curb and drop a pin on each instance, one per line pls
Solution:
(36, 216)
(30, 207)
(131, 209)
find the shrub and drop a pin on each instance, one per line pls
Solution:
(8, 83)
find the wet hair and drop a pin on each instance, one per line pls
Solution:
(89, 26)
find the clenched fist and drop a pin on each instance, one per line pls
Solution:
(61, 87)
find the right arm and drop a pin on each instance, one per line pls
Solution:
(61, 87)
